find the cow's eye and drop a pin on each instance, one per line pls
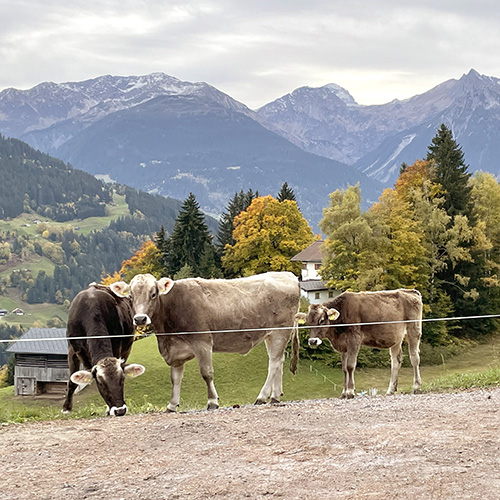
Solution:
(321, 320)
(153, 295)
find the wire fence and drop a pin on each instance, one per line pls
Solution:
(258, 330)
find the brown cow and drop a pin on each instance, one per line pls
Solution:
(100, 336)
(351, 308)
(261, 302)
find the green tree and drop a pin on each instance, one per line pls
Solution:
(350, 244)
(451, 172)
(286, 193)
(162, 244)
(466, 268)
(189, 239)
(266, 236)
(240, 202)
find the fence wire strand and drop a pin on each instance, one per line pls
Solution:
(256, 330)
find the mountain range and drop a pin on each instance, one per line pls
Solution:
(166, 136)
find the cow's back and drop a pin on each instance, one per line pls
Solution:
(390, 305)
(94, 315)
(262, 301)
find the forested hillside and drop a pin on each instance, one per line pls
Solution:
(61, 228)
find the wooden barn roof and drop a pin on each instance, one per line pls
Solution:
(36, 341)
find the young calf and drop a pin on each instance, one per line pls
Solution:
(365, 319)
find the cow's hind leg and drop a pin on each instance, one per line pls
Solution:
(413, 339)
(273, 387)
(74, 365)
(396, 361)
(204, 357)
(176, 374)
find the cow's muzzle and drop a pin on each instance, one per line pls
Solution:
(314, 342)
(142, 320)
(117, 412)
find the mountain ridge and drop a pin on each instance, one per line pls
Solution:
(158, 133)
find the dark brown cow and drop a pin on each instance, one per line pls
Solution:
(262, 302)
(351, 308)
(97, 313)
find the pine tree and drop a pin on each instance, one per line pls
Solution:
(162, 244)
(451, 172)
(286, 193)
(463, 276)
(240, 202)
(189, 237)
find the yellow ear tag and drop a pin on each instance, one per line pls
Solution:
(301, 322)
(332, 317)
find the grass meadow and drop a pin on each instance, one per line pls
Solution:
(239, 378)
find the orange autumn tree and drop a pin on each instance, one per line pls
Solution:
(145, 260)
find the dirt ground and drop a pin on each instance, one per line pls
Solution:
(428, 446)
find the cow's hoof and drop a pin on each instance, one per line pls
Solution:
(260, 402)
(274, 401)
(65, 412)
(171, 409)
(417, 391)
(347, 396)
(212, 406)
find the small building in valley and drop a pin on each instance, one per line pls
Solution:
(311, 285)
(41, 364)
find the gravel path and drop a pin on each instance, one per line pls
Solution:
(428, 446)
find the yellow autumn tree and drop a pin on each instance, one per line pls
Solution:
(267, 235)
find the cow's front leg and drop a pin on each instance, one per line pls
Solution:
(348, 366)
(176, 374)
(74, 364)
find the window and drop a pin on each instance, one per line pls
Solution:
(317, 266)
(316, 295)
(330, 295)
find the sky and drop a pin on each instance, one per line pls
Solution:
(254, 50)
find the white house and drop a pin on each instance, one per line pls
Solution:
(311, 286)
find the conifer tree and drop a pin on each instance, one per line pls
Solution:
(240, 202)
(189, 237)
(463, 277)
(286, 193)
(162, 244)
(451, 172)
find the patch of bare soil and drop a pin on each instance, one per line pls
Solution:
(430, 446)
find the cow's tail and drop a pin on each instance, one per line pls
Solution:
(294, 359)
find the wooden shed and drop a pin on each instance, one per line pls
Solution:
(41, 363)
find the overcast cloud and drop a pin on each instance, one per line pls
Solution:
(253, 50)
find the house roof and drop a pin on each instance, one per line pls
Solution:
(310, 254)
(313, 285)
(40, 343)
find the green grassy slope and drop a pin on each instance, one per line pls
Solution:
(239, 379)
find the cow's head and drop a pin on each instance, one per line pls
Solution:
(145, 291)
(109, 374)
(318, 318)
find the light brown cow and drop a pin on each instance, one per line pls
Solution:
(263, 302)
(351, 308)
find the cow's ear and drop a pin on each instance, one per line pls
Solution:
(119, 288)
(81, 377)
(300, 318)
(134, 370)
(333, 314)
(165, 285)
